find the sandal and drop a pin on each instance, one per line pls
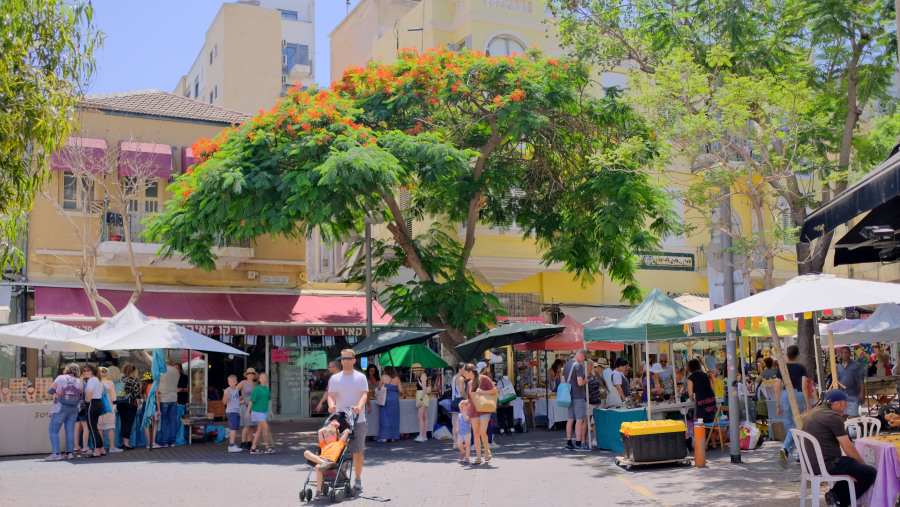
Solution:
(255, 451)
(270, 450)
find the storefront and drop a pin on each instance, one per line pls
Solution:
(292, 337)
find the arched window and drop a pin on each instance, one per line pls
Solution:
(505, 45)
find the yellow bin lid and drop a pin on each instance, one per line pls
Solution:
(652, 427)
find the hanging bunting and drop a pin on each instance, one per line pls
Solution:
(709, 326)
(697, 328)
(755, 322)
(807, 315)
(249, 339)
(779, 318)
(226, 338)
(328, 341)
(304, 341)
(827, 312)
(278, 341)
(742, 324)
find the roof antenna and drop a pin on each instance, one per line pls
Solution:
(348, 7)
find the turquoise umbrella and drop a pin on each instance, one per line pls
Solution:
(407, 355)
(156, 370)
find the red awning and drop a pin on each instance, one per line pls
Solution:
(187, 158)
(84, 153)
(572, 338)
(217, 313)
(145, 159)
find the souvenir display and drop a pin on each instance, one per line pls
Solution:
(41, 386)
(30, 395)
(5, 395)
(17, 389)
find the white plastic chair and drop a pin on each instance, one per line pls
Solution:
(865, 426)
(801, 438)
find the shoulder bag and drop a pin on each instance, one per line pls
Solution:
(381, 396)
(507, 392)
(104, 399)
(564, 391)
(484, 402)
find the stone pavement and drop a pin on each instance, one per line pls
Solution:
(529, 469)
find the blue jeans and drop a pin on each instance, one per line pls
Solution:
(852, 406)
(66, 416)
(787, 417)
(168, 421)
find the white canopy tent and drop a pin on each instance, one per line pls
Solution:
(44, 335)
(883, 326)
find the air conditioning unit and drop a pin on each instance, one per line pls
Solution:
(284, 60)
(283, 43)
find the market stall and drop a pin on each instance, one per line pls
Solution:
(607, 423)
(409, 422)
(556, 414)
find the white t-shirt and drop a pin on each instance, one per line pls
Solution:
(168, 385)
(95, 387)
(348, 389)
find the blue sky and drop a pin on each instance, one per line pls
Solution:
(152, 43)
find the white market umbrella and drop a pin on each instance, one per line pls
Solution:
(801, 294)
(131, 330)
(882, 326)
(44, 334)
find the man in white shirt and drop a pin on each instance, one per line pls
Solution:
(350, 389)
(667, 377)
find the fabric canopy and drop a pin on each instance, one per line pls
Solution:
(509, 333)
(408, 355)
(572, 338)
(390, 337)
(883, 325)
(878, 187)
(806, 293)
(657, 318)
(853, 248)
(44, 334)
(131, 330)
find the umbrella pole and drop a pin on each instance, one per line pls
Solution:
(647, 363)
(817, 346)
(831, 357)
(785, 374)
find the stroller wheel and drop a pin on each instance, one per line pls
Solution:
(302, 495)
(333, 495)
(348, 491)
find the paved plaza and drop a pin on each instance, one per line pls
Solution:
(529, 469)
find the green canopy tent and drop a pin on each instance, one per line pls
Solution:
(407, 355)
(391, 337)
(658, 318)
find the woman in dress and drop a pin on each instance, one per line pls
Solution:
(146, 384)
(107, 422)
(246, 388)
(93, 393)
(129, 403)
(422, 401)
(700, 389)
(479, 420)
(68, 393)
(389, 416)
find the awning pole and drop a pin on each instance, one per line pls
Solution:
(647, 366)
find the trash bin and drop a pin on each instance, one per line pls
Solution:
(650, 441)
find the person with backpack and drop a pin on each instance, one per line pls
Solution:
(68, 391)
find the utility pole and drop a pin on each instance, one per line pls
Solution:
(368, 222)
(734, 412)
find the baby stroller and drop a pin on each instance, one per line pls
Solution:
(337, 482)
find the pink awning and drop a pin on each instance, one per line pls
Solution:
(145, 159)
(217, 313)
(88, 151)
(187, 158)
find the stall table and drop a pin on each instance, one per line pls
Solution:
(881, 453)
(608, 422)
(409, 422)
(558, 414)
(25, 429)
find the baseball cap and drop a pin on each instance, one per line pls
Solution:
(835, 395)
(480, 366)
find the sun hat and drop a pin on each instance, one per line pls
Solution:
(147, 376)
(603, 362)
(249, 371)
(656, 368)
(480, 366)
(104, 371)
(416, 366)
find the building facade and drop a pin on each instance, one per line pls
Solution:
(254, 51)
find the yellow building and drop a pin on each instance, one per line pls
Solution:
(257, 298)
(254, 50)
(502, 260)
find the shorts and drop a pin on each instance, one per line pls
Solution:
(484, 417)
(259, 416)
(358, 445)
(234, 420)
(454, 405)
(578, 409)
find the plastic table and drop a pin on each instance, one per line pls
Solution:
(881, 454)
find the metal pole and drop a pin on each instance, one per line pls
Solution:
(368, 222)
(730, 338)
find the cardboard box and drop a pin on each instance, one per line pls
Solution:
(776, 430)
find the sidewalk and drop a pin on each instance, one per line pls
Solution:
(529, 469)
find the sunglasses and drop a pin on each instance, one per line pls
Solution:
(347, 358)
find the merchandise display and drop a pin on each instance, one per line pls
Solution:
(17, 387)
(42, 386)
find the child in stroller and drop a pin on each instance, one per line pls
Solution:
(332, 468)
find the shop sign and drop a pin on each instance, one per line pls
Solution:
(281, 355)
(214, 329)
(670, 261)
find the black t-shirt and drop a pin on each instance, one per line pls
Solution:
(183, 384)
(702, 386)
(797, 372)
(825, 425)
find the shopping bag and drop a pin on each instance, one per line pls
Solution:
(104, 399)
(564, 395)
(381, 396)
(507, 393)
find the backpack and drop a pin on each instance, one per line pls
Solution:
(71, 393)
(596, 391)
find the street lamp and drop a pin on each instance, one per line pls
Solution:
(368, 221)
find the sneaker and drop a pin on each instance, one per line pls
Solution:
(115, 449)
(782, 457)
(234, 448)
(70, 456)
(585, 447)
(358, 484)
(326, 464)
(420, 439)
(570, 447)
(157, 446)
(53, 457)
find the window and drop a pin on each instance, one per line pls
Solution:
(505, 45)
(75, 191)
(210, 57)
(210, 97)
(216, 91)
(141, 204)
(197, 88)
(288, 14)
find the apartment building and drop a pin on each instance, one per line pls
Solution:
(253, 52)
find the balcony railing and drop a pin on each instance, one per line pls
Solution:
(115, 229)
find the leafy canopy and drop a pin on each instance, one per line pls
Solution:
(469, 138)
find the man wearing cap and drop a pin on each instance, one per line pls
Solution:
(349, 389)
(826, 425)
(573, 373)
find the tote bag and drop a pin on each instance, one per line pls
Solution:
(484, 402)
(104, 399)
(564, 391)
(507, 393)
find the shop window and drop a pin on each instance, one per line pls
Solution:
(75, 192)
